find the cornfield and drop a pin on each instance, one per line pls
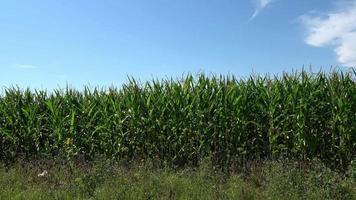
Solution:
(297, 115)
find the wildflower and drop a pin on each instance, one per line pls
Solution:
(69, 141)
(44, 173)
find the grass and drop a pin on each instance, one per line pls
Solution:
(112, 180)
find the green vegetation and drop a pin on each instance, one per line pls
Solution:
(110, 180)
(178, 122)
(201, 137)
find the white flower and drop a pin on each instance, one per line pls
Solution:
(44, 173)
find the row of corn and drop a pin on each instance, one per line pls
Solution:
(298, 115)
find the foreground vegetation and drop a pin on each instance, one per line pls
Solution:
(112, 180)
(301, 116)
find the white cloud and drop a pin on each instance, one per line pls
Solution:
(260, 5)
(25, 66)
(336, 29)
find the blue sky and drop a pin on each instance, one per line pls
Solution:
(48, 44)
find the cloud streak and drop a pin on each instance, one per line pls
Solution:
(336, 29)
(261, 4)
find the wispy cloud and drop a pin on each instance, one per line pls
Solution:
(25, 66)
(260, 5)
(336, 29)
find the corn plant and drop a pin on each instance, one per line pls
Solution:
(294, 115)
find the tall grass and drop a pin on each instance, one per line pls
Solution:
(297, 115)
(111, 180)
